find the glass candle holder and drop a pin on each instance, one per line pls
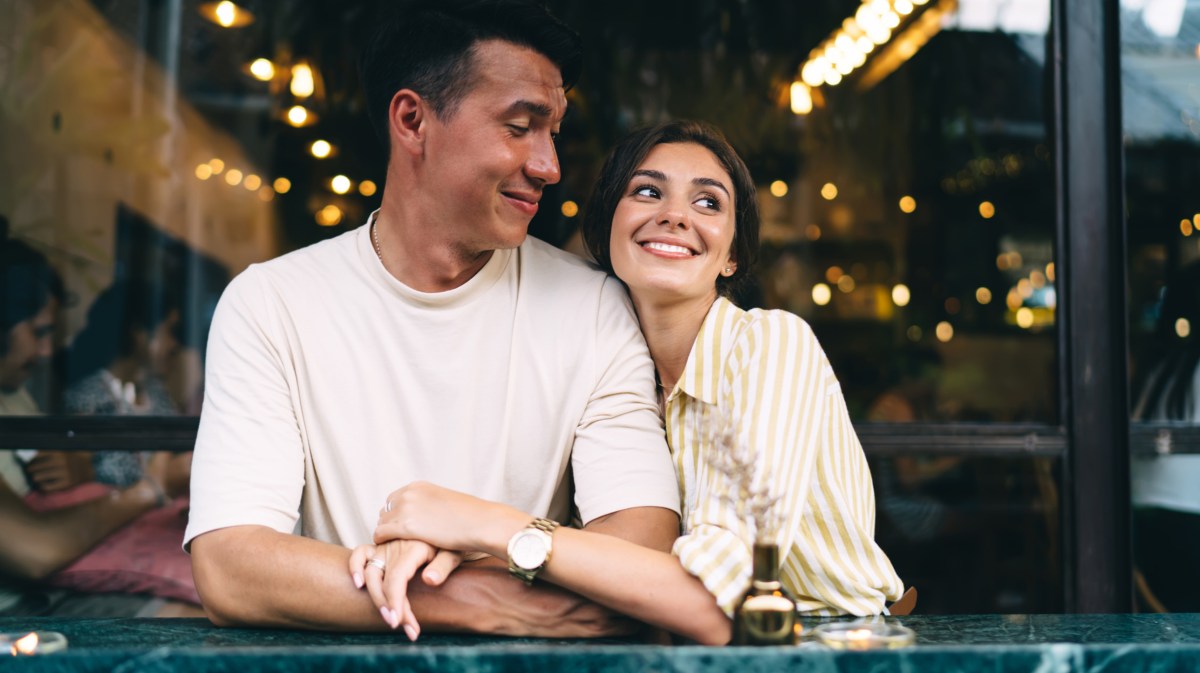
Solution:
(861, 636)
(29, 643)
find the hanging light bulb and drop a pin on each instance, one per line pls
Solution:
(262, 69)
(303, 84)
(226, 14)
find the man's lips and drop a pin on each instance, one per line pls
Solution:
(526, 203)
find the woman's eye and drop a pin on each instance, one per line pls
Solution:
(645, 190)
(518, 130)
(709, 202)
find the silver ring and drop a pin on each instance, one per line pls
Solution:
(378, 563)
(387, 506)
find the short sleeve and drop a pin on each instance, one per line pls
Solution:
(248, 465)
(620, 457)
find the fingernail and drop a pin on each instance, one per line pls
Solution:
(386, 614)
(433, 576)
(411, 632)
(395, 620)
(358, 580)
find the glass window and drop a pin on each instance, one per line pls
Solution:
(1160, 88)
(152, 151)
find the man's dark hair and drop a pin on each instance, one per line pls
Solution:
(27, 283)
(428, 46)
(632, 151)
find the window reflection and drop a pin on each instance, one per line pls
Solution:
(1160, 64)
(152, 151)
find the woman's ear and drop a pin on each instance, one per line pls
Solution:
(730, 268)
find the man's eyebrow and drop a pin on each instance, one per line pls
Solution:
(531, 108)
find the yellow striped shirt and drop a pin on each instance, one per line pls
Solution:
(766, 373)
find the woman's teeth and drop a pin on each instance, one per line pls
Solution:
(667, 247)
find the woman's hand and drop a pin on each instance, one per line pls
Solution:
(388, 585)
(448, 519)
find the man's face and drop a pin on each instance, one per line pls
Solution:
(30, 342)
(486, 165)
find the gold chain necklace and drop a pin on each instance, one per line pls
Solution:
(375, 241)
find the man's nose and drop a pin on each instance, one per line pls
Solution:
(542, 165)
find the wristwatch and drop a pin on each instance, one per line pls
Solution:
(529, 550)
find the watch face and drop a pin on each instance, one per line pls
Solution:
(529, 550)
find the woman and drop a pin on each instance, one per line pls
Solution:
(674, 216)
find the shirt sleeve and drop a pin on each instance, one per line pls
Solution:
(620, 457)
(248, 465)
(778, 392)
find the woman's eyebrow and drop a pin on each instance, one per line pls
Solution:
(650, 173)
(710, 182)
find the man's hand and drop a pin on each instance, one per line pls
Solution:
(52, 471)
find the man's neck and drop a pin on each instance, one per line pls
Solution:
(414, 254)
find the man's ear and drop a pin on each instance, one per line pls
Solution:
(407, 121)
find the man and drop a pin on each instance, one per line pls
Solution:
(434, 343)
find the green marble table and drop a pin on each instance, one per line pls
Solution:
(993, 643)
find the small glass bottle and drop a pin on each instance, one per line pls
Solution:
(767, 614)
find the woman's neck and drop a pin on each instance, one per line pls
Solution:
(670, 328)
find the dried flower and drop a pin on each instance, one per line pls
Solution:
(748, 495)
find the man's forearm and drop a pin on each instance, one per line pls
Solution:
(254, 576)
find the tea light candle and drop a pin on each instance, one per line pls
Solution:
(864, 635)
(35, 642)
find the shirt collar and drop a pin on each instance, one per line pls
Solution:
(701, 379)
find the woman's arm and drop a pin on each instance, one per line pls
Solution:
(643, 583)
(33, 544)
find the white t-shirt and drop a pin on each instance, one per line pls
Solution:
(330, 384)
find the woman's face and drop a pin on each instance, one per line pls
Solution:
(672, 232)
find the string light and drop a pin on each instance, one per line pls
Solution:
(262, 70)
(340, 184)
(303, 84)
(321, 149)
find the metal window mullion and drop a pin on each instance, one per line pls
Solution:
(1091, 308)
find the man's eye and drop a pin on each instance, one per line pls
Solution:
(518, 130)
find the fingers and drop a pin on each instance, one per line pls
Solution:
(440, 567)
(358, 562)
(404, 559)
